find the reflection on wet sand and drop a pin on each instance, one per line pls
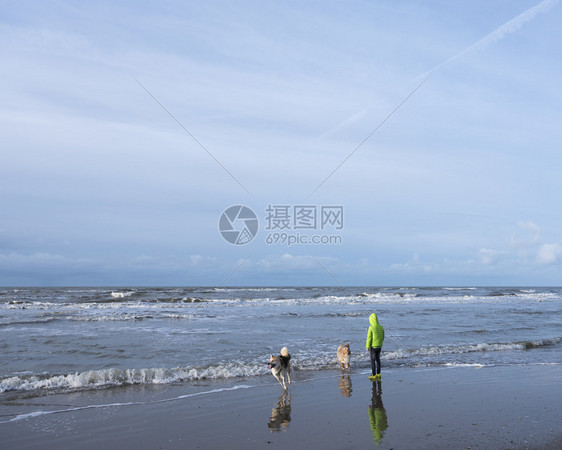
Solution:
(281, 414)
(377, 413)
(344, 385)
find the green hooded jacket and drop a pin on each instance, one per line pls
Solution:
(375, 335)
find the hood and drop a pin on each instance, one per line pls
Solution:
(373, 319)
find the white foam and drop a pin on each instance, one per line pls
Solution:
(478, 366)
(122, 294)
(390, 296)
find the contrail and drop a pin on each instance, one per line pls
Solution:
(351, 119)
(499, 33)
(496, 35)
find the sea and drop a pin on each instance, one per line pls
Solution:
(69, 339)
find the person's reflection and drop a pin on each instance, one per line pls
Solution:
(377, 414)
(281, 414)
(344, 385)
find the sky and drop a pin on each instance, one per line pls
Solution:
(432, 129)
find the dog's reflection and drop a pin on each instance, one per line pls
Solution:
(281, 414)
(377, 414)
(344, 385)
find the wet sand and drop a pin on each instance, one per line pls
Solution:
(461, 407)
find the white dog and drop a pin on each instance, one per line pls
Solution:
(280, 367)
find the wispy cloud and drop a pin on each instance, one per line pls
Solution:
(549, 253)
(488, 256)
(288, 262)
(530, 235)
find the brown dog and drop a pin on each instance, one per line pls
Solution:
(343, 355)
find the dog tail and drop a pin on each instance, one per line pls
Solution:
(285, 352)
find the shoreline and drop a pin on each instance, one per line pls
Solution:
(459, 407)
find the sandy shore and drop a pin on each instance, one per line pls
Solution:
(461, 407)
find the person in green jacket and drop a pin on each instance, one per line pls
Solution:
(375, 338)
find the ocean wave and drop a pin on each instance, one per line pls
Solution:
(114, 318)
(122, 294)
(4, 323)
(333, 314)
(183, 302)
(135, 299)
(476, 365)
(121, 317)
(441, 350)
(103, 378)
(252, 289)
(107, 378)
(301, 361)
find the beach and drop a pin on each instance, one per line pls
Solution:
(186, 367)
(199, 197)
(461, 407)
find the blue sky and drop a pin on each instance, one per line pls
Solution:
(101, 184)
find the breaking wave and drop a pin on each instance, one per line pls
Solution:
(473, 348)
(95, 379)
(122, 294)
(302, 361)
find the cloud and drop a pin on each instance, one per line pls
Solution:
(549, 253)
(38, 260)
(524, 248)
(198, 260)
(288, 262)
(415, 265)
(523, 243)
(488, 256)
(530, 237)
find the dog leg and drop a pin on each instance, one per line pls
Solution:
(281, 380)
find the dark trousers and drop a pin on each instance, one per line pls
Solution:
(375, 353)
